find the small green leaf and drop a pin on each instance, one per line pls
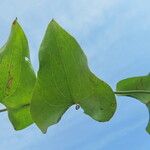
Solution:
(139, 88)
(64, 79)
(17, 78)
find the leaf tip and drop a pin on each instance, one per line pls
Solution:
(43, 130)
(53, 21)
(15, 21)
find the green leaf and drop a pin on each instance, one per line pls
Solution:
(64, 79)
(139, 88)
(17, 78)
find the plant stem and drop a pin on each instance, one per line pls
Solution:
(131, 92)
(3, 110)
(115, 92)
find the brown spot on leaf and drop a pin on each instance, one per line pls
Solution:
(9, 83)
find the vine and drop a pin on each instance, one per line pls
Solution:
(63, 79)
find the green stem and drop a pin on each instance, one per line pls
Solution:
(3, 110)
(115, 92)
(131, 92)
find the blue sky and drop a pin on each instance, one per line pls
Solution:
(115, 35)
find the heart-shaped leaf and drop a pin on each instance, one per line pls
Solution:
(136, 87)
(17, 78)
(64, 79)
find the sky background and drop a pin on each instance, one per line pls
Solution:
(115, 36)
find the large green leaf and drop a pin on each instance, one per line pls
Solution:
(17, 78)
(136, 87)
(64, 79)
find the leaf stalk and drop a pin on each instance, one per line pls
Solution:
(131, 92)
(115, 92)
